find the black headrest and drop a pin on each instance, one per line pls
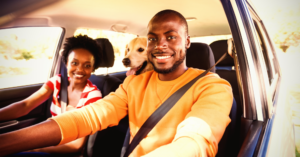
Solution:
(219, 48)
(200, 56)
(108, 56)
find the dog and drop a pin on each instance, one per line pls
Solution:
(136, 57)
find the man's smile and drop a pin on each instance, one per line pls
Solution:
(161, 58)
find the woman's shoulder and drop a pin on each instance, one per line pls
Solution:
(90, 87)
(55, 77)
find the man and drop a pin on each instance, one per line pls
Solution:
(193, 127)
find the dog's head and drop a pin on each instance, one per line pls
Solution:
(136, 55)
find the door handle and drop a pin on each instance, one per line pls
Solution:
(8, 123)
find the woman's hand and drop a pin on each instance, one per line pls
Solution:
(23, 107)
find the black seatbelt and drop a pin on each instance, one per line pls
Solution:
(63, 86)
(161, 112)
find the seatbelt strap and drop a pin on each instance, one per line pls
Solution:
(161, 112)
(63, 86)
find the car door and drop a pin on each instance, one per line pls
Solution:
(28, 56)
(259, 74)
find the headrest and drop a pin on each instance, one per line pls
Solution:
(108, 55)
(200, 56)
(219, 48)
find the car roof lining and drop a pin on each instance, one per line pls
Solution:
(74, 14)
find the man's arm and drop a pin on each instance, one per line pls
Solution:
(71, 147)
(97, 116)
(41, 135)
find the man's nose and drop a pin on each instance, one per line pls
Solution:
(161, 44)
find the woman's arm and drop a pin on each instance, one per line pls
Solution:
(23, 107)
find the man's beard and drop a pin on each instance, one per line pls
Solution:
(166, 71)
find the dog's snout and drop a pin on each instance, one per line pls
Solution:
(126, 61)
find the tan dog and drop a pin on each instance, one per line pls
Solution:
(136, 57)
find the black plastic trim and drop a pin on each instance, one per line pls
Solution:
(250, 110)
(18, 92)
(56, 57)
(251, 140)
(21, 124)
(254, 54)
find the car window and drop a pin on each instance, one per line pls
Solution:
(26, 54)
(264, 51)
(268, 56)
(118, 41)
(209, 39)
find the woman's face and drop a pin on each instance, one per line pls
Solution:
(80, 65)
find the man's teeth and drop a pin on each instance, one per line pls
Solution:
(78, 75)
(162, 57)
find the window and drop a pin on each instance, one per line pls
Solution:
(264, 50)
(26, 54)
(118, 40)
(209, 39)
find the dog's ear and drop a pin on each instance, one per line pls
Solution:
(126, 50)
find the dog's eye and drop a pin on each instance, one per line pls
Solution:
(128, 50)
(140, 49)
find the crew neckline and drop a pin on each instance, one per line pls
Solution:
(172, 82)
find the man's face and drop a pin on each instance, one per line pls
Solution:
(167, 44)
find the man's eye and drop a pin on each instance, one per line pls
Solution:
(151, 39)
(171, 37)
(73, 63)
(88, 66)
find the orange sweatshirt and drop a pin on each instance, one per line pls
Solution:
(193, 127)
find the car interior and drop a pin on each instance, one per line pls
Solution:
(132, 17)
(199, 55)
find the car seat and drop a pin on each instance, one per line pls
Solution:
(107, 142)
(201, 56)
(226, 69)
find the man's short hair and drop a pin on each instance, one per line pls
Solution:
(168, 11)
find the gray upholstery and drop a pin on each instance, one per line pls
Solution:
(200, 56)
(108, 56)
(219, 48)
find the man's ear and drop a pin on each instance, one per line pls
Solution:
(188, 42)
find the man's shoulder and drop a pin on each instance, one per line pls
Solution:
(144, 76)
(196, 72)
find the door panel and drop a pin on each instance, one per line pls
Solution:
(12, 95)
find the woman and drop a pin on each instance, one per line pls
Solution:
(81, 55)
